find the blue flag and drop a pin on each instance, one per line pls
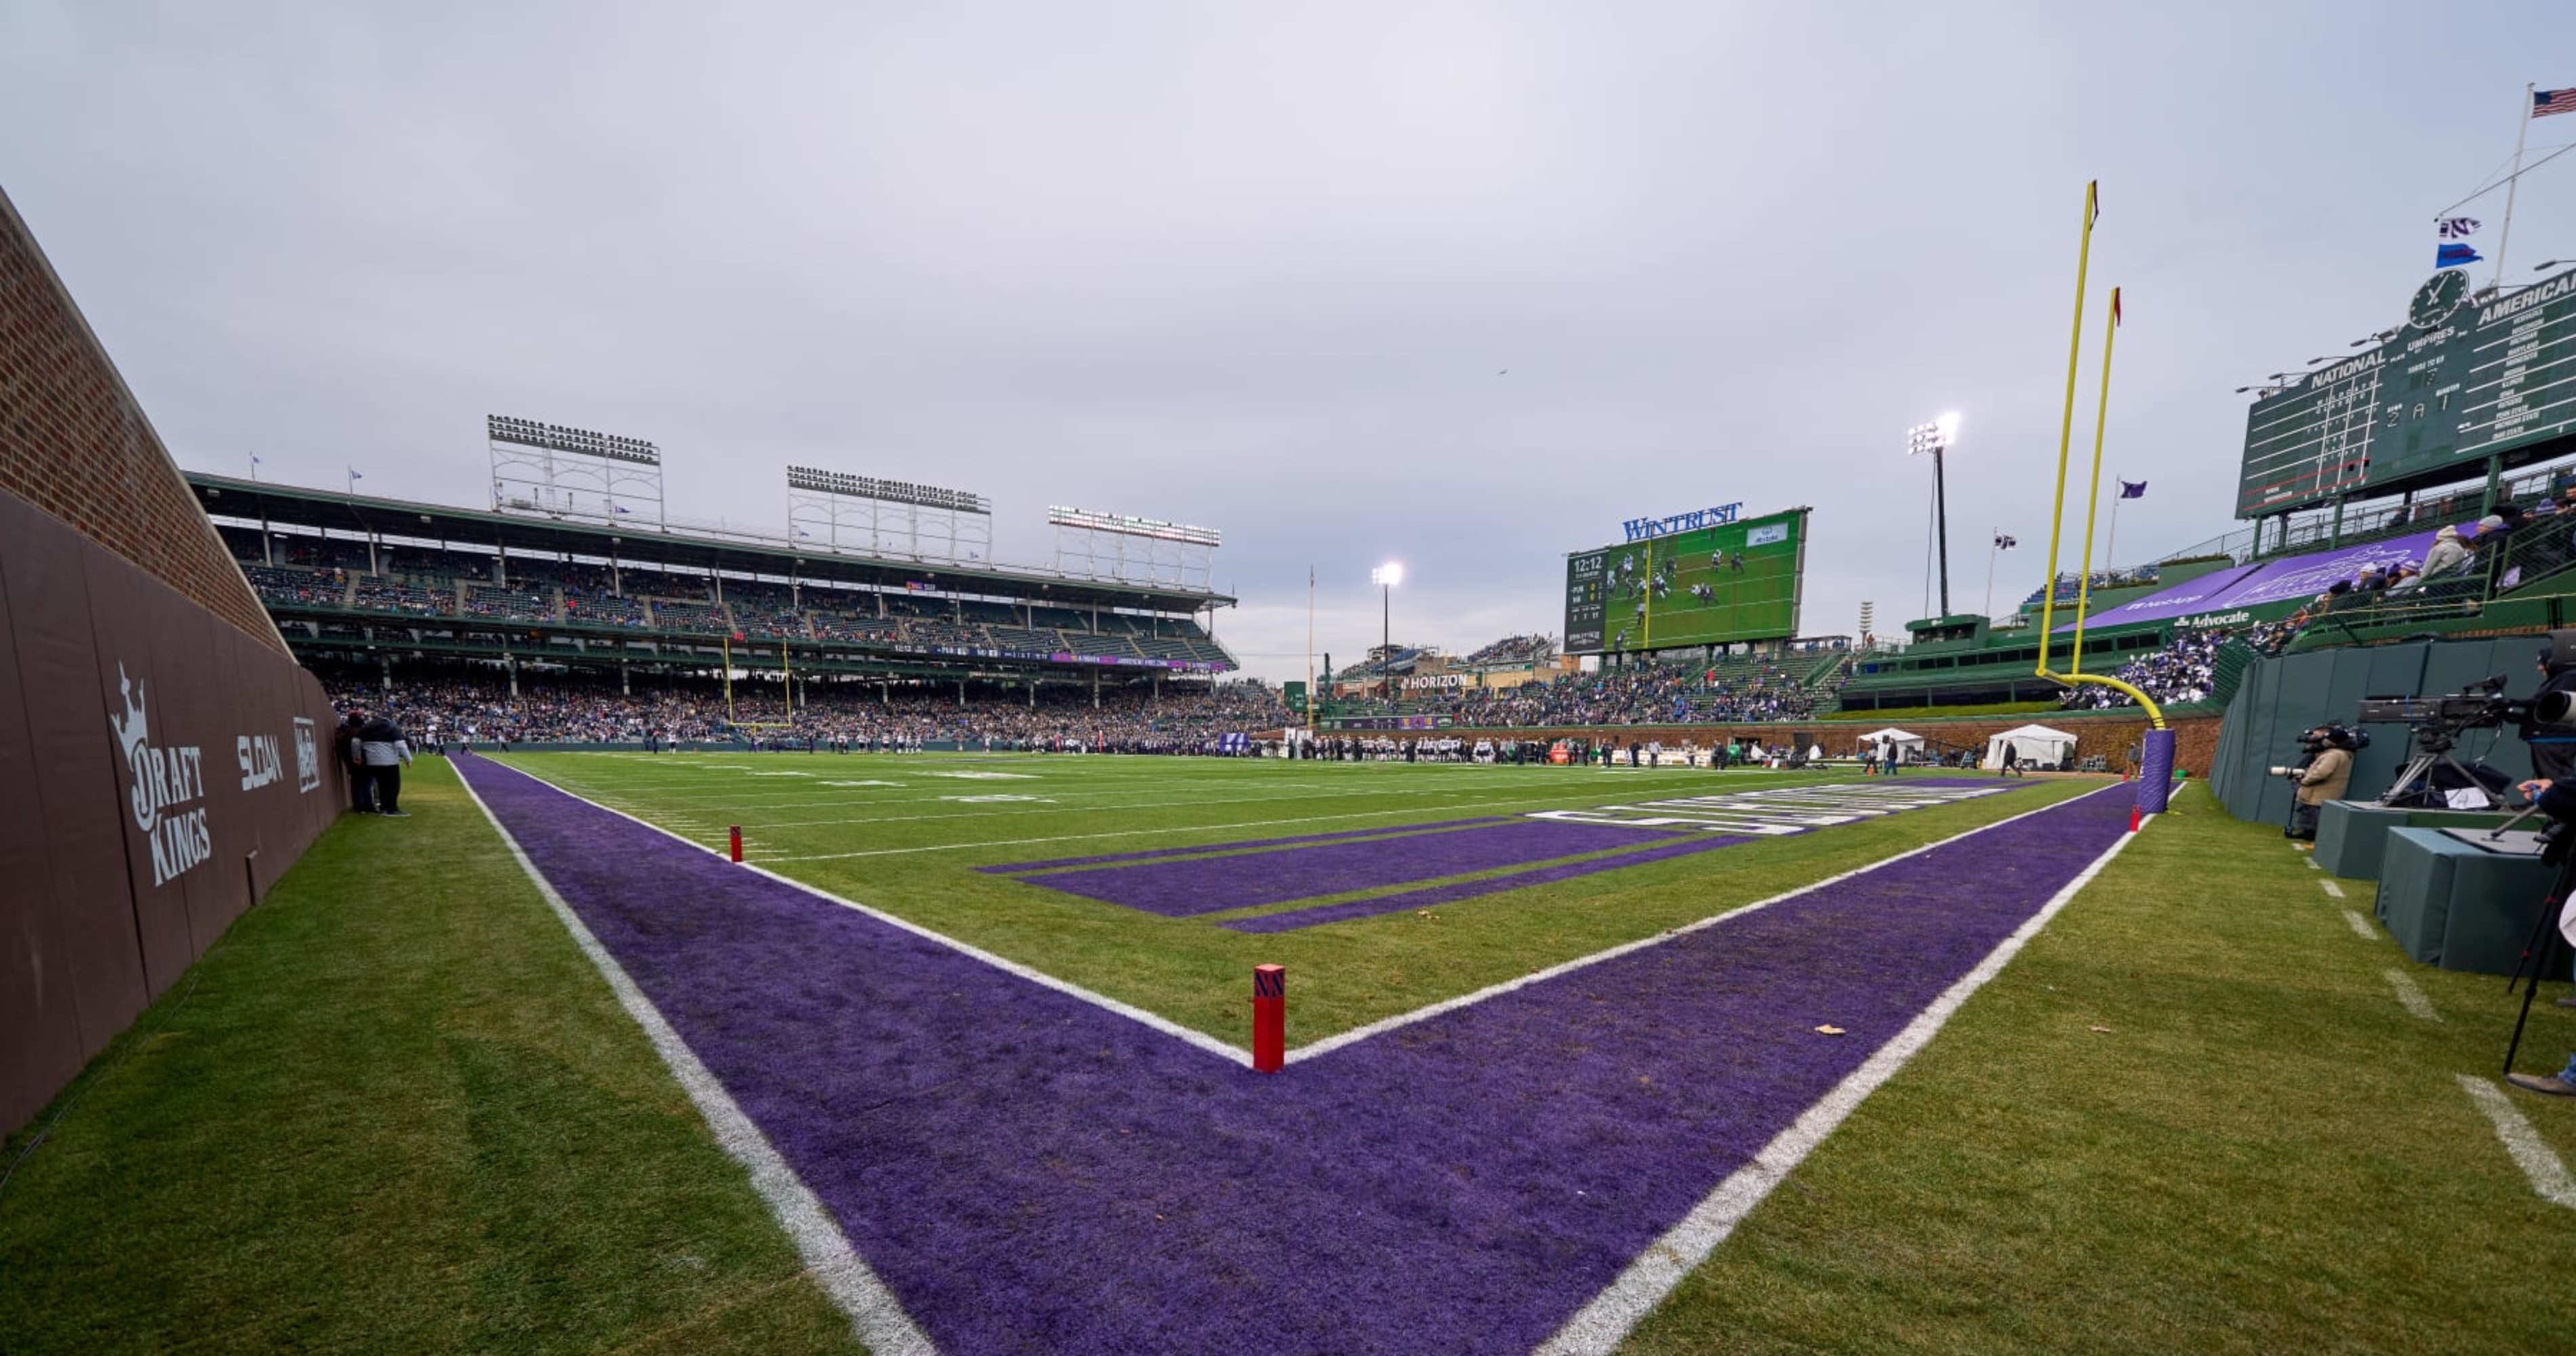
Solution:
(2133, 491)
(2454, 256)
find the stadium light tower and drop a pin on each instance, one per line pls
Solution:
(1386, 577)
(1935, 438)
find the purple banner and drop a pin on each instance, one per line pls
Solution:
(2295, 579)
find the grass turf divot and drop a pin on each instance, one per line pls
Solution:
(399, 1112)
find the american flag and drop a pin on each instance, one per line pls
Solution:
(2548, 101)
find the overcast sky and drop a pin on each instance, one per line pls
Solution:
(1264, 268)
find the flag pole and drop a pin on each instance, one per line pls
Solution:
(1994, 543)
(2512, 183)
(1310, 652)
(2111, 548)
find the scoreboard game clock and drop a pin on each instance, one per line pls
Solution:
(2461, 381)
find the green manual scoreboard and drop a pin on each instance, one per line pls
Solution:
(2459, 382)
(1702, 585)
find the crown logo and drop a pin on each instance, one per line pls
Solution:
(134, 727)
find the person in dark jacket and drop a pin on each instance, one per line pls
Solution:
(385, 752)
(344, 747)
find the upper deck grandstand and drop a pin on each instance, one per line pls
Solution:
(358, 580)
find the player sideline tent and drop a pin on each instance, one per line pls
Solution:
(1905, 741)
(2032, 743)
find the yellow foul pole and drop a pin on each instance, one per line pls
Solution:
(2066, 435)
(2093, 496)
(2074, 676)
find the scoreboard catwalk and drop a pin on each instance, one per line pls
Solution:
(2457, 383)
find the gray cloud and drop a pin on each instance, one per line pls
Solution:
(1260, 270)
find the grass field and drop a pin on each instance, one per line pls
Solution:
(395, 1108)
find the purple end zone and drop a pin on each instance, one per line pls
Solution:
(1014, 867)
(1214, 884)
(1030, 1173)
(1450, 894)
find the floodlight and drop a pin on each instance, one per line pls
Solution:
(1389, 574)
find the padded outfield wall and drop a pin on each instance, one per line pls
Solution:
(162, 758)
(2285, 695)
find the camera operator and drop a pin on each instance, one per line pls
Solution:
(2324, 775)
(2553, 792)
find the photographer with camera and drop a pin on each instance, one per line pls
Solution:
(2323, 775)
(2546, 729)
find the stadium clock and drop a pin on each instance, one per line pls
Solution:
(2440, 295)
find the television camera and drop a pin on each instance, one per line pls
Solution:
(2433, 775)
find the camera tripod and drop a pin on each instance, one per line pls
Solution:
(2414, 785)
(2543, 947)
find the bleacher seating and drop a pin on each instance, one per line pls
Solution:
(394, 595)
(689, 617)
(508, 604)
(304, 588)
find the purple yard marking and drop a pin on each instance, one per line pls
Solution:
(1450, 894)
(1014, 868)
(1214, 884)
(1031, 1173)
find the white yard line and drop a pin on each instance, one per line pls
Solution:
(876, 1316)
(2410, 996)
(2360, 926)
(2331, 888)
(1600, 1326)
(2548, 1176)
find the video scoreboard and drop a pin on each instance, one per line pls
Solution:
(1736, 581)
(2459, 382)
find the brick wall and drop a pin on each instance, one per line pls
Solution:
(74, 443)
(2107, 733)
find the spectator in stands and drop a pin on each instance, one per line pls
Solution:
(2448, 556)
(386, 753)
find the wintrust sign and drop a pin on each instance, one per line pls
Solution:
(165, 786)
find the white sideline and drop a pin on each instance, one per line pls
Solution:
(2410, 996)
(2331, 888)
(2360, 926)
(1600, 1326)
(876, 1316)
(2548, 1176)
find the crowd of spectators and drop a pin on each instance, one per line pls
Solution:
(476, 706)
(2185, 670)
(1637, 694)
(1530, 649)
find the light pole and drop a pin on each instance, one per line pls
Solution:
(1935, 438)
(1386, 577)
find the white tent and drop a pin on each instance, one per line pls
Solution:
(2031, 744)
(1907, 744)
